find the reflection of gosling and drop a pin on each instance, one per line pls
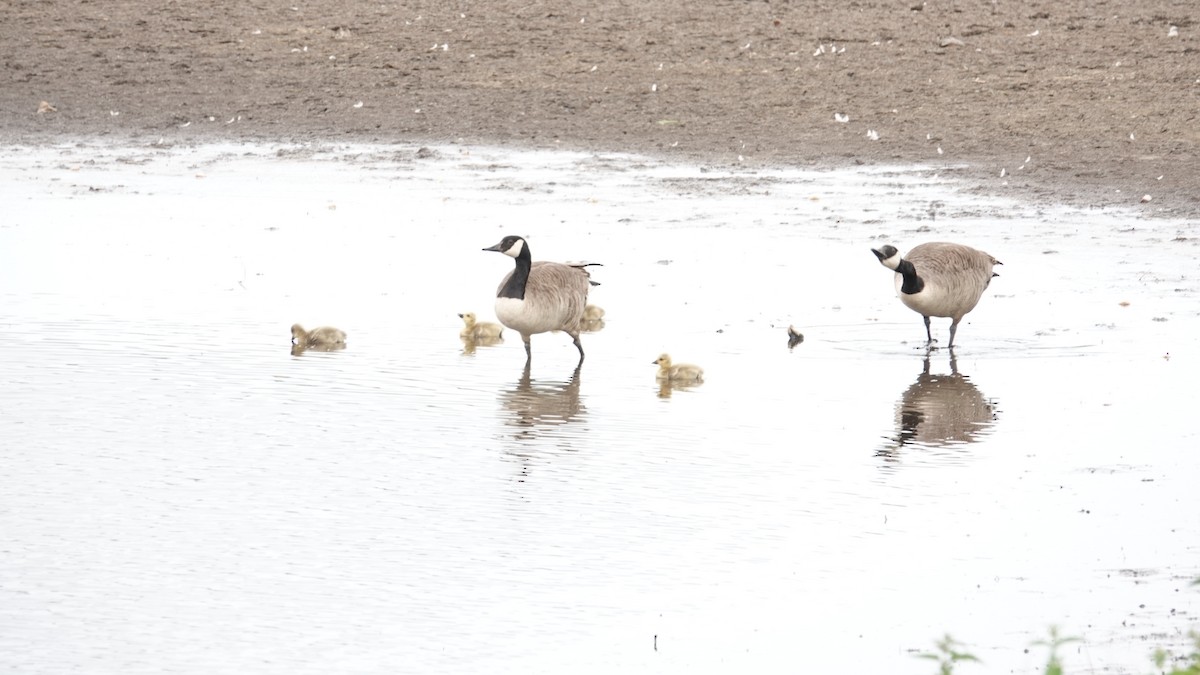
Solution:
(473, 330)
(795, 337)
(679, 372)
(319, 338)
(593, 313)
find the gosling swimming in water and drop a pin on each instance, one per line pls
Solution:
(939, 279)
(323, 339)
(317, 337)
(679, 373)
(481, 330)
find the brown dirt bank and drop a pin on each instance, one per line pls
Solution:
(1102, 96)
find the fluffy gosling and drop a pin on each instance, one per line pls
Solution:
(680, 373)
(317, 337)
(478, 330)
(323, 339)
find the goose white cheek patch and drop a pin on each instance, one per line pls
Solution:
(515, 249)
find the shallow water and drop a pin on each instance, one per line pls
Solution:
(184, 495)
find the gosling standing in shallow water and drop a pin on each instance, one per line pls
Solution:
(939, 279)
(318, 338)
(678, 373)
(539, 297)
(481, 330)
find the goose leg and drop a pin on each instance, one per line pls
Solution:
(528, 350)
(953, 329)
(929, 334)
(578, 344)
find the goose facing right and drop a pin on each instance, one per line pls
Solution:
(939, 279)
(539, 297)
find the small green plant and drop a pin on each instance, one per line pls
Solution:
(1192, 665)
(949, 653)
(1054, 663)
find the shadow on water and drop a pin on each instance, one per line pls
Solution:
(939, 411)
(536, 407)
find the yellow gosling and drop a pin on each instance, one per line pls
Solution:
(679, 373)
(478, 330)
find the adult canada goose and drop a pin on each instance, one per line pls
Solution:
(939, 279)
(538, 297)
(678, 373)
(318, 338)
(478, 330)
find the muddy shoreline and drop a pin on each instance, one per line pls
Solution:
(1093, 104)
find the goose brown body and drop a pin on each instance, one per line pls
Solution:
(539, 297)
(939, 279)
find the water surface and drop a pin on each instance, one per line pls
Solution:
(182, 494)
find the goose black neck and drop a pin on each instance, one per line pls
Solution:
(912, 282)
(515, 288)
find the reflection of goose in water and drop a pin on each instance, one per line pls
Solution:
(941, 410)
(538, 406)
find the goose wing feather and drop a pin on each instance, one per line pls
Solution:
(556, 293)
(963, 266)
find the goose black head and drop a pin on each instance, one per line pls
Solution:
(511, 245)
(888, 256)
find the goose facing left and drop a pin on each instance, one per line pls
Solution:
(939, 279)
(324, 337)
(677, 373)
(478, 330)
(539, 297)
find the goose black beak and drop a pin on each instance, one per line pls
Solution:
(460, 315)
(878, 254)
(493, 248)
